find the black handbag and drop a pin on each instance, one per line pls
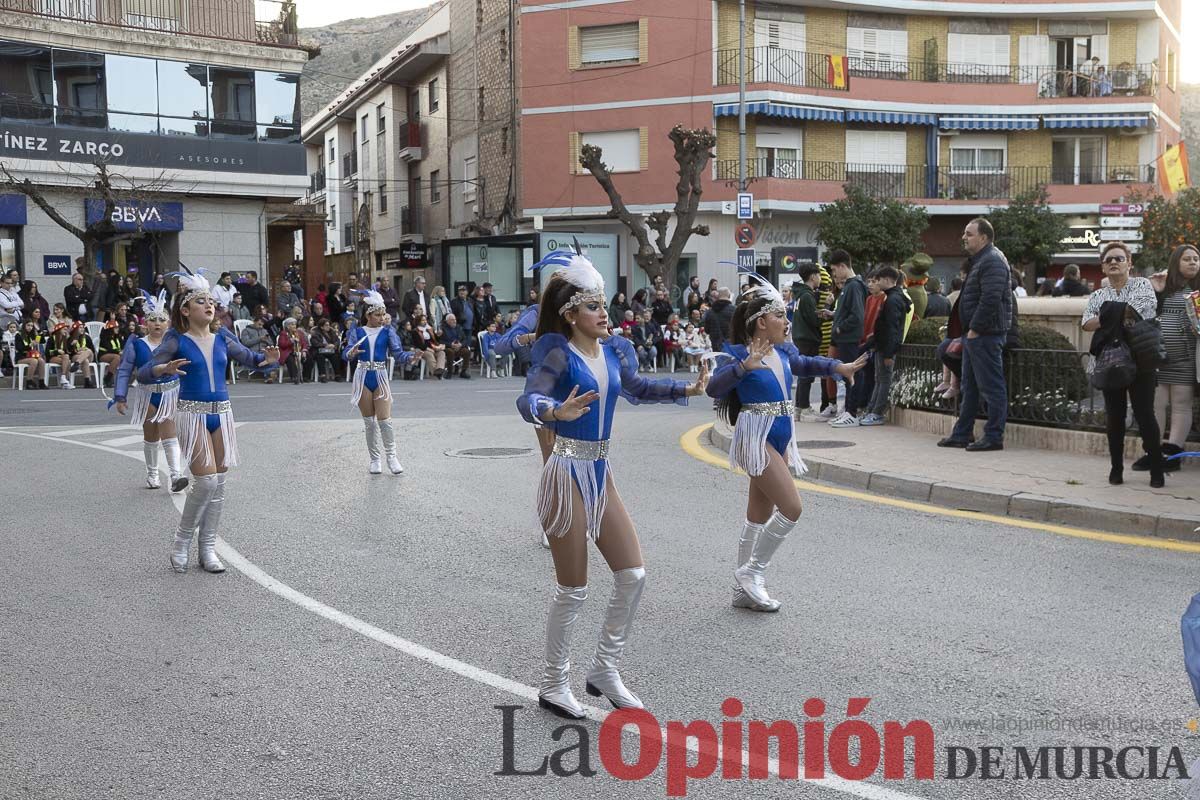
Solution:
(1146, 343)
(1114, 368)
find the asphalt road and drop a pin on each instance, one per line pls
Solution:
(295, 676)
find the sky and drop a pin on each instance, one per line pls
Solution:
(314, 13)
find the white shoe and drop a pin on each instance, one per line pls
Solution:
(376, 468)
(828, 413)
(808, 415)
(152, 481)
(545, 541)
(846, 420)
(394, 465)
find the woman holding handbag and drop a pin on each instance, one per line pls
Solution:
(1110, 312)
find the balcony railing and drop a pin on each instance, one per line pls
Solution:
(410, 217)
(813, 70)
(776, 65)
(350, 168)
(410, 134)
(918, 181)
(235, 20)
(316, 182)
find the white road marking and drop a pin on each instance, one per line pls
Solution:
(499, 391)
(245, 396)
(67, 400)
(122, 441)
(868, 791)
(85, 431)
(347, 394)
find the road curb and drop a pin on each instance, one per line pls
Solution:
(1023, 505)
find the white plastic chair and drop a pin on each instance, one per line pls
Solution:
(93, 330)
(483, 365)
(18, 371)
(49, 370)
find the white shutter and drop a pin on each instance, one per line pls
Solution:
(876, 149)
(855, 46)
(622, 149)
(956, 52)
(893, 149)
(898, 51)
(791, 35)
(1100, 49)
(606, 43)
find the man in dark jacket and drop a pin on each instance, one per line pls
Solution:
(1071, 286)
(661, 309)
(456, 341)
(938, 305)
(888, 336)
(487, 307)
(415, 298)
(716, 321)
(848, 319)
(646, 339)
(254, 294)
(806, 327)
(464, 310)
(985, 308)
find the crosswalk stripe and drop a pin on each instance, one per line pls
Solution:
(92, 429)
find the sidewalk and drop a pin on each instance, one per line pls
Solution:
(1042, 485)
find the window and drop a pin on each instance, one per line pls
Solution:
(972, 54)
(470, 175)
(433, 95)
(332, 152)
(978, 154)
(880, 150)
(26, 83)
(183, 95)
(277, 106)
(435, 190)
(877, 50)
(1172, 69)
(380, 119)
(1077, 160)
(363, 129)
(609, 44)
(780, 152)
(622, 149)
(79, 88)
(231, 98)
(383, 197)
(787, 66)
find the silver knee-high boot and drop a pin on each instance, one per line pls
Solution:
(208, 527)
(388, 434)
(150, 453)
(554, 694)
(750, 576)
(179, 481)
(750, 533)
(371, 429)
(602, 676)
(193, 509)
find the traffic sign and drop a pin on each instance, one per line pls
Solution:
(1121, 222)
(744, 235)
(745, 205)
(1120, 235)
(745, 259)
(1122, 208)
(1132, 247)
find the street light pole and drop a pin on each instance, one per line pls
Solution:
(741, 95)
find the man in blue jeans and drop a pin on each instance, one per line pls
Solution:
(848, 320)
(985, 309)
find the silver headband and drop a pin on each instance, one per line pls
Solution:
(579, 298)
(769, 308)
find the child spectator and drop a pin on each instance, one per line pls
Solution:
(695, 344)
(893, 311)
(490, 337)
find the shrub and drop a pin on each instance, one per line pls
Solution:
(926, 331)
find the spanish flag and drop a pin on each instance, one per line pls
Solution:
(836, 72)
(1173, 172)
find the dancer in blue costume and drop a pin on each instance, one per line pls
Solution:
(201, 409)
(144, 401)
(371, 344)
(755, 397)
(577, 373)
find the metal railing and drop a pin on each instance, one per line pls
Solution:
(1049, 388)
(410, 217)
(316, 182)
(236, 20)
(350, 166)
(778, 65)
(410, 134)
(924, 182)
(799, 68)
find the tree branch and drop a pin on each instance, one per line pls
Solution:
(27, 188)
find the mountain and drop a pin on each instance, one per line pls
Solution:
(348, 48)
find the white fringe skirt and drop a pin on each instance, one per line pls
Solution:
(748, 451)
(191, 427)
(578, 462)
(382, 373)
(139, 402)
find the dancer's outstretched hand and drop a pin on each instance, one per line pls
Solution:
(847, 370)
(574, 406)
(173, 367)
(759, 349)
(701, 383)
(272, 356)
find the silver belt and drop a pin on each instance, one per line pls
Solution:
(779, 408)
(203, 407)
(161, 387)
(373, 364)
(582, 449)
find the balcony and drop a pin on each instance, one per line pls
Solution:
(822, 181)
(316, 182)
(815, 71)
(235, 21)
(350, 169)
(410, 141)
(410, 222)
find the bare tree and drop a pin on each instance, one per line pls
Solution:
(112, 189)
(693, 151)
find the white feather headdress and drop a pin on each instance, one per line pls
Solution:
(577, 270)
(372, 299)
(764, 289)
(191, 284)
(150, 307)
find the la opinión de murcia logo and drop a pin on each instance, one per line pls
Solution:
(853, 750)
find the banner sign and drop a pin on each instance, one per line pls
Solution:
(135, 215)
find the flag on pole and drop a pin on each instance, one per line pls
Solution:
(1173, 172)
(836, 72)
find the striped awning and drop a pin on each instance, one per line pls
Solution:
(1097, 120)
(988, 122)
(891, 117)
(782, 110)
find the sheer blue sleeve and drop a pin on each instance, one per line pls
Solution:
(165, 352)
(396, 348)
(807, 366)
(526, 323)
(637, 389)
(125, 370)
(239, 352)
(353, 340)
(725, 379)
(547, 364)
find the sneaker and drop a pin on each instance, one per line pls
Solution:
(375, 467)
(872, 419)
(846, 420)
(828, 412)
(808, 415)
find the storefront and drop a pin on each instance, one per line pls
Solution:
(1081, 246)
(147, 242)
(13, 219)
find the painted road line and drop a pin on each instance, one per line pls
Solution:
(245, 396)
(867, 791)
(690, 442)
(85, 431)
(68, 400)
(347, 394)
(124, 440)
(498, 391)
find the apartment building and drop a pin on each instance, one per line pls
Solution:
(377, 157)
(192, 103)
(956, 105)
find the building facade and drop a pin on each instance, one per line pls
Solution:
(194, 109)
(955, 106)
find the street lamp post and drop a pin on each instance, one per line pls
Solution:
(741, 95)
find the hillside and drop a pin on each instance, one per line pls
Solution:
(347, 49)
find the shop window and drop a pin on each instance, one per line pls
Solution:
(26, 83)
(231, 98)
(277, 106)
(79, 88)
